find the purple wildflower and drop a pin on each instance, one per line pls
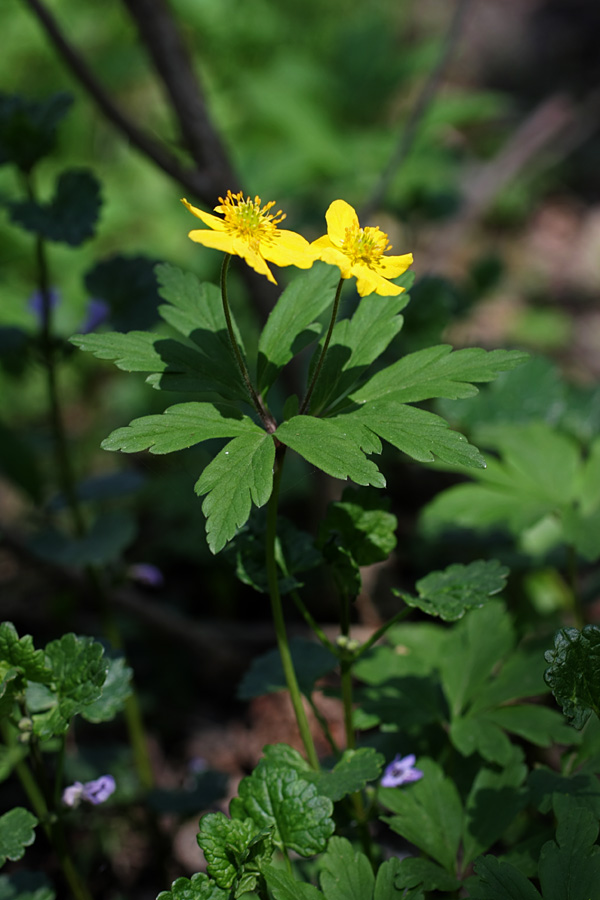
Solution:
(35, 303)
(97, 312)
(146, 574)
(401, 771)
(95, 792)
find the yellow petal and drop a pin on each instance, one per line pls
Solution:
(340, 216)
(322, 242)
(368, 281)
(335, 258)
(215, 239)
(288, 249)
(392, 266)
(254, 260)
(208, 218)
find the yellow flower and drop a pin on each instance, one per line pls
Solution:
(359, 252)
(251, 231)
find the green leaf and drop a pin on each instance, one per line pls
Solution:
(24, 885)
(427, 813)
(70, 217)
(291, 324)
(265, 675)
(494, 801)
(109, 536)
(198, 887)
(545, 785)
(179, 427)
(128, 285)
(28, 128)
(405, 701)
(450, 593)
(413, 872)
(386, 882)
(335, 446)
(420, 434)
(352, 773)
(241, 474)
(285, 887)
(574, 672)
(355, 344)
(346, 874)
(471, 734)
(536, 724)
(16, 833)
(362, 524)
(571, 866)
(21, 654)
(234, 850)
(277, 797)
(520, 676)
(438, 372)
(115, 691)
(497, 880)
(19, 464)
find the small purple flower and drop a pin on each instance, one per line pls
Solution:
(35, 303)
(146, 574)
(97, 312)
(401, 771)
(94, 792)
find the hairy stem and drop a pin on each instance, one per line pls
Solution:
(312, 623)
(278, 619)
(336, 303)
(403, 614)
(324, 727)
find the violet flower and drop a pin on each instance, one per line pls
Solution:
(401, 771)
(97, 312)
(35, 303)
(146, 574)
(95, 792)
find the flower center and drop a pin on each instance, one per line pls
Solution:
(249, 220)
(365, 245)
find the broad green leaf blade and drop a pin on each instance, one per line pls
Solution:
(413, 872)
(179, 427)
(352, 773)
(437, 372)
(198, 887)
(355, 344)
(574, 672)
(451, 592)
(127, 284)
(286, 756)
(70, 217)
(116, 689)
(495, 799)
(21, 654)
(346, 874)
(497, 880)
(428, 813)
(536, 724)
(387, 886)
(233, 848)
(265, 675)
(291, 324)
(570, 868)
(285, 887)
(110, 534)
(196, 311)
(24, 885)
(421, 435)
(240, 475)
(16, 833)
(28, 127)
(335, 446)
(277, 797)
(471, 734)
(362, 524)
(522, 675)
(545, 785)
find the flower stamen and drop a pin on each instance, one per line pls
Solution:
(248, 220)
(365, 245)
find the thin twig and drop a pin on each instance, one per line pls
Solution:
(418, 112)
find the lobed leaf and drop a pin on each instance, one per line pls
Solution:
(451, 592)
(362, 524)
(198, 887)
(570, 867)
(574, 672)
(16, 833)
(412, 872)
(241, 474)
(352, 773)
(285, 887)
(115, 691)
(234, 849)
(265, 675)
(498, 880)
(70, 217)
(346, 874)
(21, 654)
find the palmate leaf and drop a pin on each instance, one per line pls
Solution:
(241, 474)
(571, 866)
(286, 887)
(291, 324)
(16, 833)
(437, 372)
(449, 594)
(70, 217)
(346, 874)
(179, 427)
(335, 446)
(574, 672)
(351, 773)
(499, 880)
(20, 653)
(362, 524)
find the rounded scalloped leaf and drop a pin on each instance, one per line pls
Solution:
(198, 887)
(16, 833)
(232, 848)
(573, 675)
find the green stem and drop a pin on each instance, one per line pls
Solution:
(336, 303)
(267, 419)
(346, 674)
(312, 623)
(278, 619)
(572, 577)
(324, 727)
(403, 614)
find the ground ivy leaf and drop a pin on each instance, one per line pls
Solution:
(241, 474)
(105, 542)
(70, 217)
(28, 127)
(278, 797)
(427, 813)
(438, 372)
(24, 885)
(286, 887)
(284, 755)
(536, 724)
(421, 435)
(497, 880)
(16, 833)
(291, 324)
(265, 675)
(574, 672)
(475, 733)
(451, 592)
(335, 446)
(179, 427)
(198, 887)
(362, 523)
(386, 886)
(352, 773)
(115, 691)
(424, 873)
(233, 848)
(20, 653)
(345, 874)
(571, 866)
